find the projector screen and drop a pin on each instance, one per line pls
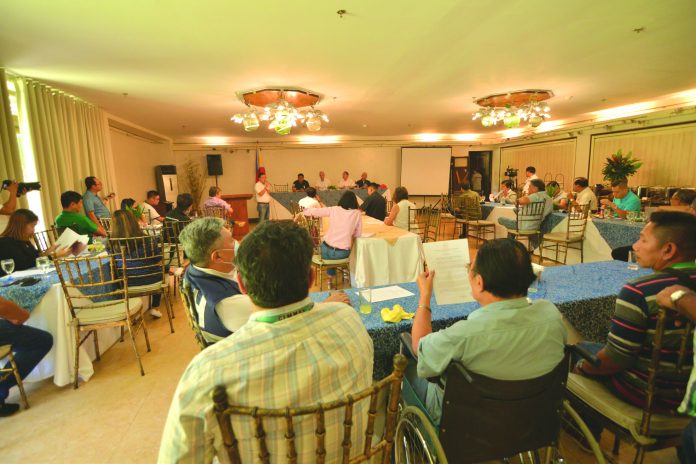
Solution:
(426, 171)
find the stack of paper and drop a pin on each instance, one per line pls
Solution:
(71, 239)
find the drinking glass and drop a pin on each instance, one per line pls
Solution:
(365, 298)
(8, 266)
(43, 264)
(536, 283)
(632, 261)
(631, 216)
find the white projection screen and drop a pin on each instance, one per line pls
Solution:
(426, 171)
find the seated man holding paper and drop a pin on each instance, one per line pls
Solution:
(508, 338)
(72, 218)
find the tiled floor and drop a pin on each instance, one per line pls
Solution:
(118, 416)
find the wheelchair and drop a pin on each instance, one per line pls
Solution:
(485, 419)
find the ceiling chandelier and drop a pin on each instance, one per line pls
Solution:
(514, 107)
(279, 105)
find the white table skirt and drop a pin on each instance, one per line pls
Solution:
(595, 248)
(52, 314)
(374, 261)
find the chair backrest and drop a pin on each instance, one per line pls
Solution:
(470, 209)
(577, 220)
(224, 412)
(215, 211)
(46, 238)
(92, 282)
(530, 214)
(433, 225)
(390, 203)
(418, 221)
(313, 226)
(174, 252)
(281, 188)
(192, 315)
(294, 207)
(144, 257)
(487, 419)
(106, 224)
(656, 368)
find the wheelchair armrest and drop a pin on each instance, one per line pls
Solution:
(407, 350)
(584, 354)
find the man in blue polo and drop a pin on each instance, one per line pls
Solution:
(95, 207)
(220, 306)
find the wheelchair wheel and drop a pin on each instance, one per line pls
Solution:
(574, 424)
(416, 440)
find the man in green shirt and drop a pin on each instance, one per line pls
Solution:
(624, 200)
(73, 218)
(508, 338)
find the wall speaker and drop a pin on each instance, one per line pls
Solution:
(214, 165)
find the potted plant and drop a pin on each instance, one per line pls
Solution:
(620, 167)
(195, 180)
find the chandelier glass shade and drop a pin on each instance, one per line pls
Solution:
(513, 108)
(280, 106)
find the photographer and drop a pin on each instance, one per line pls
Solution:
(8, 205)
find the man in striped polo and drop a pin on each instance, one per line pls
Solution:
(667, 245)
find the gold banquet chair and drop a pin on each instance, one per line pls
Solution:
(281, 187)
(313, 227)
(643, 428)
(175, 260)
(573, 237)
(215, 211)
(471, 217)
(532, 212)
(203, 339)
(97, 295)
(106, 224)
(285, 419)
(144, 259)
(5, 372)
(46, 238)
(432, 229)
(418, 221)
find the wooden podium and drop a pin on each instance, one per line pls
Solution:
(239, 203)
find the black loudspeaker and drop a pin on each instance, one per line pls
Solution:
(214, 165)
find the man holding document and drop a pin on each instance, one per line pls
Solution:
(508, 338)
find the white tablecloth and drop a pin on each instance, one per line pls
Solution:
(376, 261)
(52, 314)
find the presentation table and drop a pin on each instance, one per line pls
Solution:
(238, 202)
(280, 201)
(584, 293)
(601, 235)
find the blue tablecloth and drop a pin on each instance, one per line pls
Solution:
(328, 197)
(584, 293)
(30, 296)
(616, 232)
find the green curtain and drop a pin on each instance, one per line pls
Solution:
(69, 141)
(10, 161)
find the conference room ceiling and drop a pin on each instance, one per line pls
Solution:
(387, 69)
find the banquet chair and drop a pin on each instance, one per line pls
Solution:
(418, 221)
(281, 187)
(175, 261)
(106, 224)
(483, 419)
(144, 258)
(470, 217)
(5, 372)
(643, 428)
(45, 239)
(447, 216)
(573, 237)
(390, 203)
(313, 227)
(98, 298)
(294, 207)
(432, 230)
(283, 421)
(203, 339)
(215, 211)
(534, 213)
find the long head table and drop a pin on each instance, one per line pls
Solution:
(584, 293)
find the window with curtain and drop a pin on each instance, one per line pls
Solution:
(33, 199)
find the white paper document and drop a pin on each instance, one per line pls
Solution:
(71, 239)
(389, 293)
(449, 260)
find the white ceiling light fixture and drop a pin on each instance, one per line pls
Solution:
(514, 107)
(280, 107)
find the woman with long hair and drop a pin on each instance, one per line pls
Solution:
(125, 225)
(398, 216)
(15, 241)
(345, 223)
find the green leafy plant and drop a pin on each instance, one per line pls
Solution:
(620, 167)
(331, 187)
(551, 190)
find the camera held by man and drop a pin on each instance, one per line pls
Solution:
(22, 187)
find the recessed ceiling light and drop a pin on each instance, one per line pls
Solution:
(364, 125)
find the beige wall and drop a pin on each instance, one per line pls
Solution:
(552, 160)
(135, 159)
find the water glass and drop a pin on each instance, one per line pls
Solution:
(8, 266)
(631, 216)
(43, 264)
(536, 283)
(632, 261)
(365, 298)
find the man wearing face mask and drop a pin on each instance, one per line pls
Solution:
(220, 305)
